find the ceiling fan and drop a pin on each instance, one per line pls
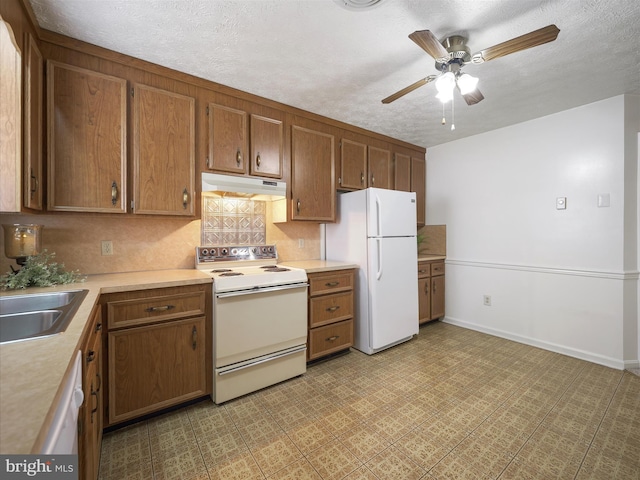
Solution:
(452, 54)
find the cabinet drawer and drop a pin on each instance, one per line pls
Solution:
(336, 281)
(424, 269)
(330, 308)
(330, 338)
(437, 268)
(126, 312)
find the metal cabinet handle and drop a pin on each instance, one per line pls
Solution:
(34, 184)
(98, 327)
(94, 393)
(162, 308)
(332, 339)
(434, 287)
(194, 338)
(114, 193)
(373, 179)
(298, 206)
(91, 356)
(258, 160)
(426, 289)
(422, 271)
(238, 157)
(185, 198)
(361, 178)
(99, 382)
(333, 309)
(332, 284)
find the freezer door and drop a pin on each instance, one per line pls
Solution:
(391, 213)
(393, 291)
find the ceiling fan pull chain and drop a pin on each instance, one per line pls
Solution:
(444, 120)
(453, 116)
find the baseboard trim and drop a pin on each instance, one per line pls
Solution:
(571, 352)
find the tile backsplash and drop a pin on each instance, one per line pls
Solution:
(144, 242)
(233, 221)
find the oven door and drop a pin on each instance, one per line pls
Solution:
(253, 323)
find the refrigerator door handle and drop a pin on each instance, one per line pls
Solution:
(378, 216)
(379, 252)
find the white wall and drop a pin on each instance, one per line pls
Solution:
(558, 279)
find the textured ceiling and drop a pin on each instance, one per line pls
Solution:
(321, 57)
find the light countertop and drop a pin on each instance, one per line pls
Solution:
(422, 258)
(315, 266)
(32, 371)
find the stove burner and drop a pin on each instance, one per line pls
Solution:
(275, 269)
(231, 274)
(221, 270)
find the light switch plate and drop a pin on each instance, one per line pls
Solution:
(561, 203)
(604, 200)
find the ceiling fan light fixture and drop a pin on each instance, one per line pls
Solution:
(445, 83)
(467, 83)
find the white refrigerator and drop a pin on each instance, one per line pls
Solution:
(376, 229)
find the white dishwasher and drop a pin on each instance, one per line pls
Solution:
(63, 434)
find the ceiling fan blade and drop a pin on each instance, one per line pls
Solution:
(430, 44)
(532, 39)
(473, 97)
(409, 89)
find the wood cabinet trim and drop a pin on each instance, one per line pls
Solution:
(32, 160)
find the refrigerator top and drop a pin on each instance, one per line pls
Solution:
(390, 213)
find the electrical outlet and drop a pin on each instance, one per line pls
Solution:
(107, 247)
(301, 243)
(487, 300)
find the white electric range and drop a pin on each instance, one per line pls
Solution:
(259, 318)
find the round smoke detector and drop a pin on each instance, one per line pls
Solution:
(359, 5)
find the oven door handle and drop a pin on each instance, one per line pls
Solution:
(275, 356)
(252, 291)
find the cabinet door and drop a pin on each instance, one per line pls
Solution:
(33, 124)
(156, 366)
(163, 152)
(312, 175)
(353, 165)
(227, 139)
(437, 297)
(267, 145)
(92, 410)
(424, 299)
(402, 169)
(86, 140)
(418, 185)
(379, 167)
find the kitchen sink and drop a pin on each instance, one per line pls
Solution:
(25, 317)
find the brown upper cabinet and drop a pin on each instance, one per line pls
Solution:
(33, 124)
(353, 165)
(163, 152)
(418, 185)
(86, 140)
(312, 175)
(410, 176)
(379, 167)
(402, 168)
(363, 166)
(233, 133)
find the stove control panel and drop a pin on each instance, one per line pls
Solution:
(236, 252)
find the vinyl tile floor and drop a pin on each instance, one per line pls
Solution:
(449, 404)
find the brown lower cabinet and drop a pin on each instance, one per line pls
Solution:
(90, 420)
(157, 341)
(430, 290)
(330, 312)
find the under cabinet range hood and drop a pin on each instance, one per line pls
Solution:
(243, 186)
